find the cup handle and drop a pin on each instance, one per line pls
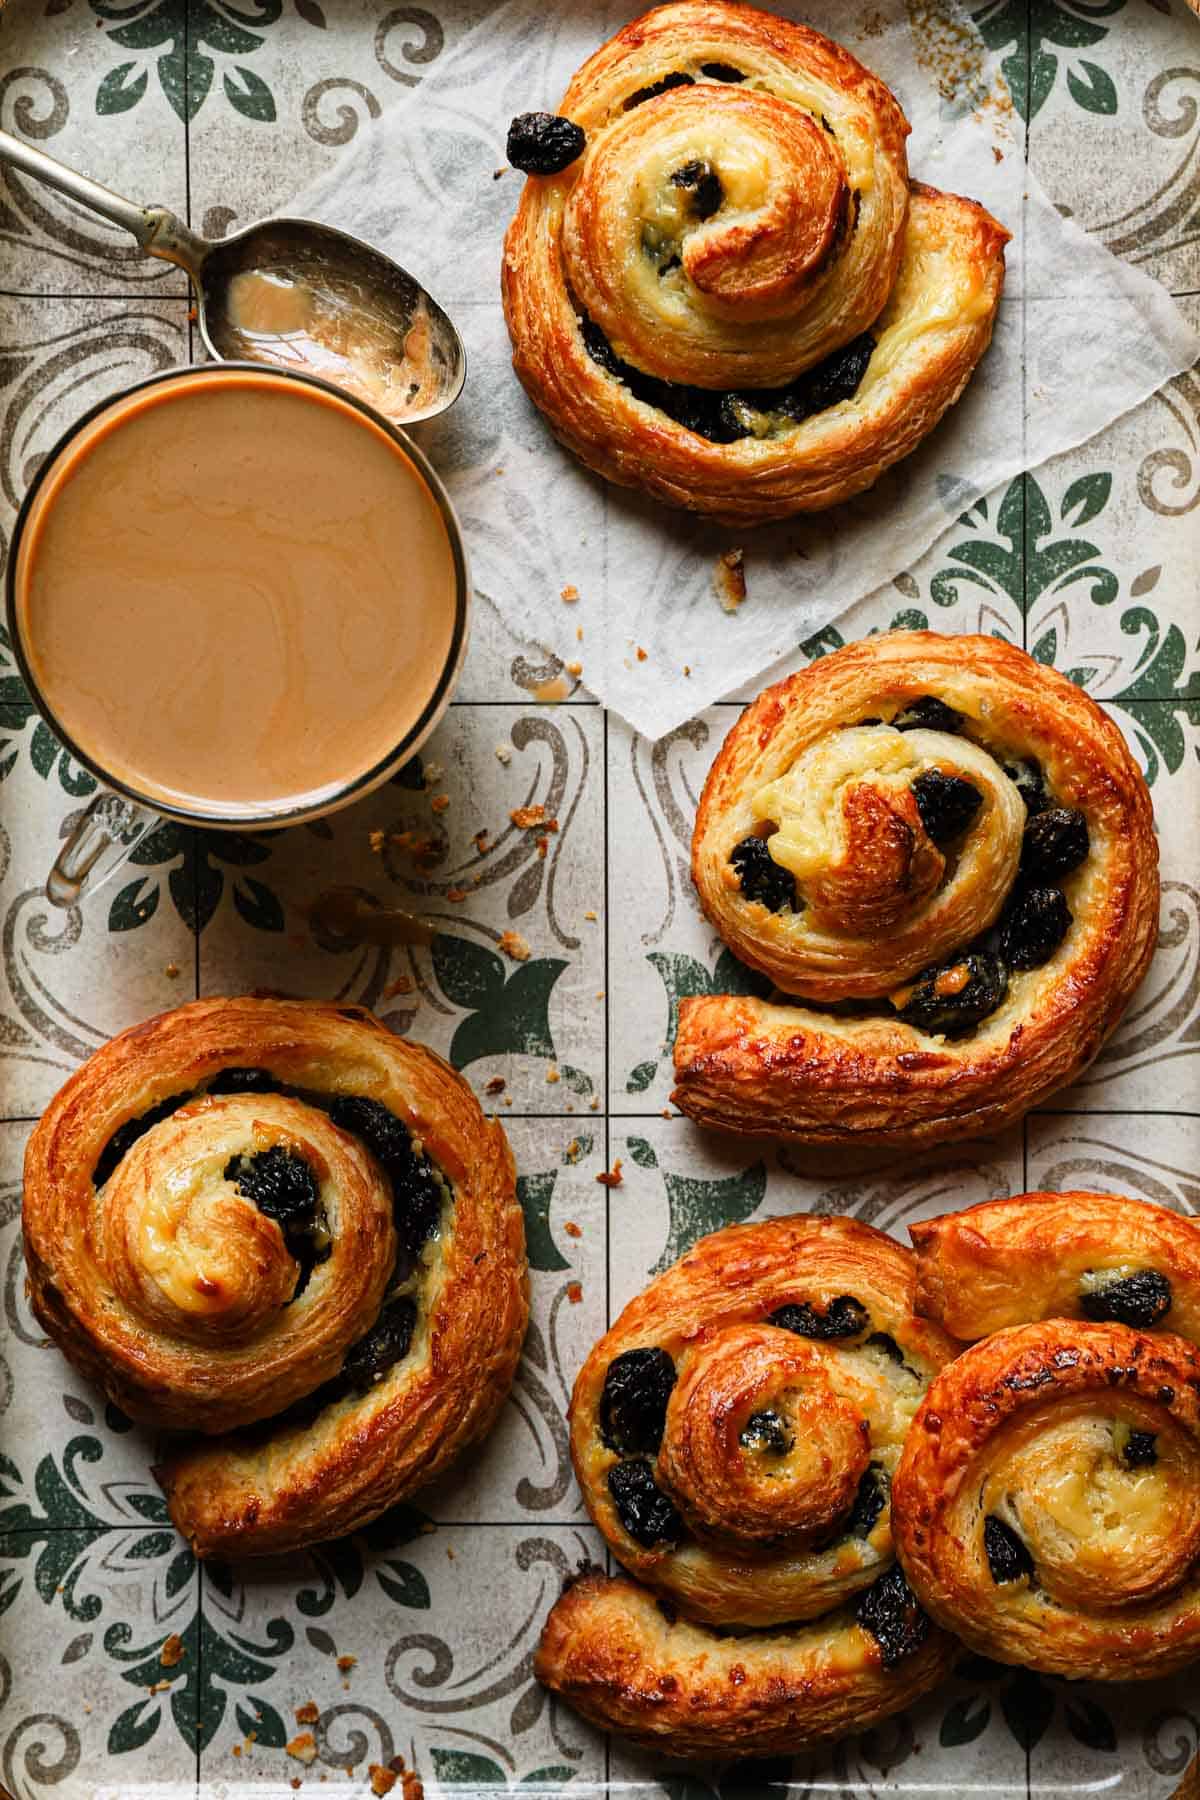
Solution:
(109, 830)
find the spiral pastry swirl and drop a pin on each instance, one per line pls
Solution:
(280, 1226)
(733, 296)
(734, 1435)
(1059, 1256)
(1047, 1503)
(943, 855)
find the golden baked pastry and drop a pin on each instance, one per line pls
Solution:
(274, 1215)
(1047, 1503)
(734, 1435)
(1053, 1256)
(731, 295)
(945, 854)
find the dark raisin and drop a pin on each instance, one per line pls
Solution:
(928, 714)
(766, 1431)
(243, 1081)
(284, 1188)
(1007, 1557)
(1034, 923)
(1140, 1300)
(946, 803)
(416, 1199)
(1141, 1450)
(720, 71)
(126, 1136)
(869, 1501)
(643, 1509)
(599, 348)
(889, 1610)
(842, 1318)
(1055, 842)
(703, 186)
(981, 982)
(676, 80)
(388, 1340)
(838, 378)
(633, 1406)
(761, 877)
(1026, 777)
(542, 143)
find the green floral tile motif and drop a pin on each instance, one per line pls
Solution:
(17, 715)
(697, 1205)
(1031, 68)
(684, 977)
(193, 38)
(455, 1770)
(187, 864)
(1027, 1704)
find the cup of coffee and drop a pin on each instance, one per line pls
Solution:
(240, 598)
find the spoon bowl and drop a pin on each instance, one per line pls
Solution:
(296, 294)
(292, 294)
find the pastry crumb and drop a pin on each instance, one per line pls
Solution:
(574, 1292)
(579, 634)
(497, 175)
(382, 1780)
(439, 803)
(542, 846)
(504, 754)
(525, 818)
(456, 894)
(729, 579)
(295, 1782)
(346, 1663)
(508, 1099)
(611, 1178)
(401, 985)
(575, 668)
(552, 1075)
(515, 946)
(687, 668)
(572, 1229)
(172, 971)
(599, 993)
(495, 1084)
(308, 1714)
(594, 1103)
(482, 842)
(172, 1651)
(641, 654)
(590, 916)
(569, 594)
(449, 1553)
(160, 1687)
(375, 840)
(303, 1747)
(236, 1751)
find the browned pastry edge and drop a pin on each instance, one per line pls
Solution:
(1019, 1376)
(1005, 1262)
(611, 1651)
(749, 1065)
(261, 1494)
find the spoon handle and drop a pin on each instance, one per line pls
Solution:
(158, 231)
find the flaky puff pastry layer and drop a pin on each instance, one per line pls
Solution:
(1042, 1256)
(767, 1536)
(818, 238)
(626, 1664)
(123, 1277)
(1047, 1503)
(751, 1065)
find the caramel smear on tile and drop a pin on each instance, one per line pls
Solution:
(344, 912)
(729, 579)
(515, 946)
(172, 1651)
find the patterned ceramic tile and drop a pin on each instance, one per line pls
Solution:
(511, 985)
(440, 1626)
(276, 95)
(1113, 85)
(1119, 1153)
(84, 92)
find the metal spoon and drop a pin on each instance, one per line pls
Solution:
(361, 306)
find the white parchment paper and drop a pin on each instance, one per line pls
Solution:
(1080, 338)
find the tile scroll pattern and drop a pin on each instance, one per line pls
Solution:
(415, 1639)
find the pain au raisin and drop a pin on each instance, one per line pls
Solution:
(760, 877)
(1055, 842)
(766, 1432)
(890, 1611)
(1034, 923)
(700, 181)
(633, 1405)
(387, 1342)
(946, 803)
(953, 999)
(416, 1197)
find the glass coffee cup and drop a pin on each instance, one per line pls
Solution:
(240, 598)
